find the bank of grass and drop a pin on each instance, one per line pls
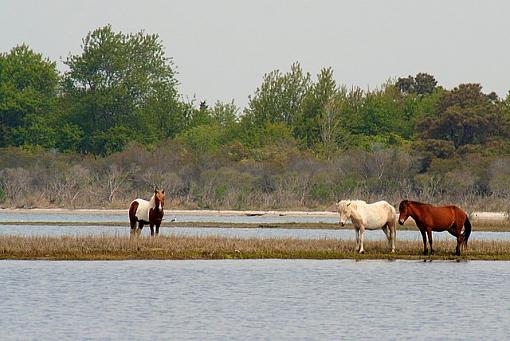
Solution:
(183, 247)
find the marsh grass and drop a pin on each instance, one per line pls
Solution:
(183, 247)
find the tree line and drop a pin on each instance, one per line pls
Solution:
(303, 139)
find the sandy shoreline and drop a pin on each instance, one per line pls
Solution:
(474, 215)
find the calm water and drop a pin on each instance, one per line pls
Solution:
(99, 229)
(123, 217)
(51, 230)
(255, 299)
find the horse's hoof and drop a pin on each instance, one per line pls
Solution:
(362, 251)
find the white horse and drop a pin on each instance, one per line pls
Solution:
(379, 215)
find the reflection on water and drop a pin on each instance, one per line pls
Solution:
(255, 299)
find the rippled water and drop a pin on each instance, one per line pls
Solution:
(255, 299)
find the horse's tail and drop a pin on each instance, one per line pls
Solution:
(467, 230)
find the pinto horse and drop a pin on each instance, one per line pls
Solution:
(147, 212)
(430, 218)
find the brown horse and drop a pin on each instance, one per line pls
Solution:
(430, 218)
(147, 212)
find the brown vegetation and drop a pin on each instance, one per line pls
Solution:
(119, 248)
(281, 178)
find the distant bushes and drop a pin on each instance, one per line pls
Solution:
(283, 178)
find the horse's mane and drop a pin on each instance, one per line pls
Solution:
(356, 201)
(349, 201)
(418, 203)
(152, 200)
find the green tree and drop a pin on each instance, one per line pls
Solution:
(313, 111)
(406, 85)
(209, 129)
(28, 96)
(197, 116)
(279, 97)
(202, 139)
(463, 116)
(379, 116)
(225, 114)
(425, 83)
(421, 84)
(122, 80)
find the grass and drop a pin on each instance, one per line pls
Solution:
(182, 247)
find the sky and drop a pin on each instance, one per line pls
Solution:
(223, 48)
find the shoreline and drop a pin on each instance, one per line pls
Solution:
(476, 215)
(481, 221)
(248, 213)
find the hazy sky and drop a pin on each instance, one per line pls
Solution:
(222, 48)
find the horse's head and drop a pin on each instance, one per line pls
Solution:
(345, 210)
(404, 213)
(159, 199)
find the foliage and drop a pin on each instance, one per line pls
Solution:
(122, 89)
(114, 125)
(122, 80)
(202, 139)
(28, 90)
(279, 97)
(463, 116)
(421, 84)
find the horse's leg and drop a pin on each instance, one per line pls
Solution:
(140, 227)
(424, 237)
(132, 223)
(460, 241)
(152, 229)
(429, 235)
(157, 229)
(361, 238)
(387, 232)
(393, 231)
(356, 231)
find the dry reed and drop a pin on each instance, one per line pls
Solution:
(182, 247)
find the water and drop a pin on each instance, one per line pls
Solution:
(255, 299)
(232, 232)
(248, 299)
(121, 216)
(101, 229)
